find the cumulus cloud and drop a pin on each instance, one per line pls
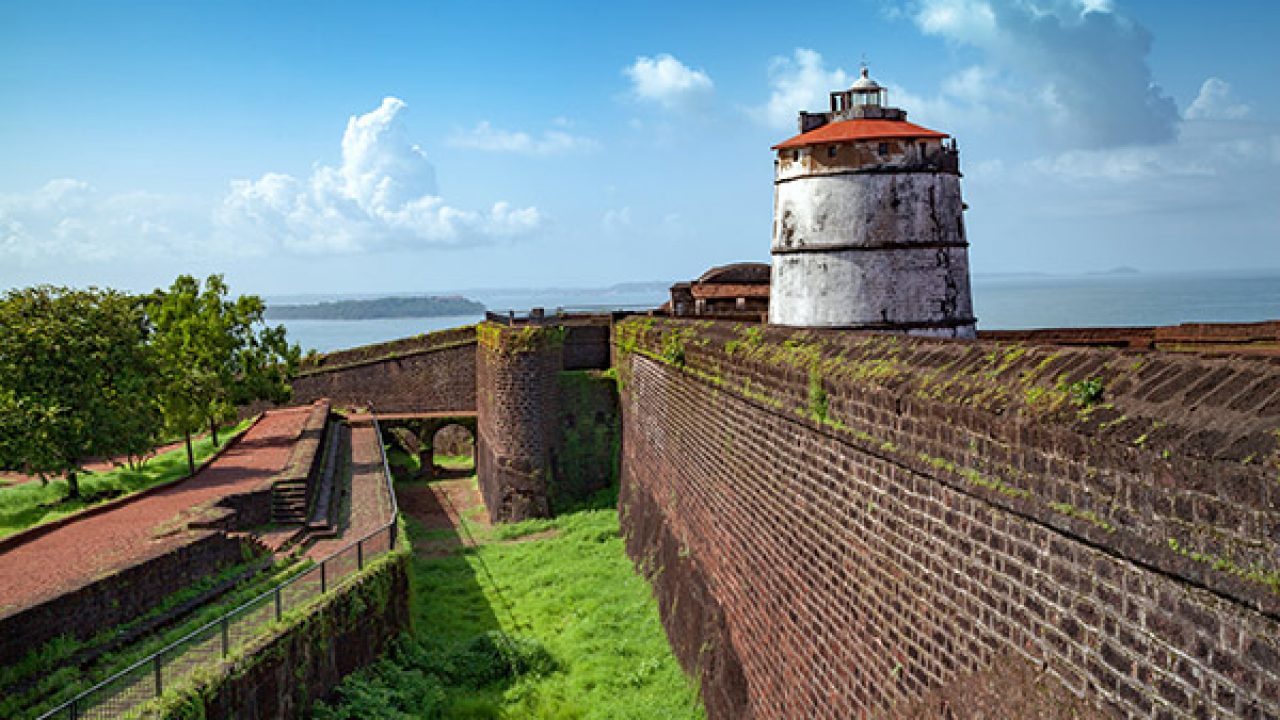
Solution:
(1082, 63)
(670, 83)
(616, 219)
(69, 220)
(382, 195)
(487, 138)
(1216, 102)
(799, 82)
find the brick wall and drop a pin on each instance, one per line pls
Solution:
(586, 344)
(586, 435)
(876, 517)
(119, 597)
(1261, 338)
(421, 374)
(516, 370)
(284, 675)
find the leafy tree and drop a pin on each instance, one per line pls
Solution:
(76, 380)
(215, 354)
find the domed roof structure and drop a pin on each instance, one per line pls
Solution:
(864, 82)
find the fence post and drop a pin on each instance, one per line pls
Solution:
(226, 640)
(279, 613)
(155, 662)
(322, 577)
(75, 709)
(359, 555)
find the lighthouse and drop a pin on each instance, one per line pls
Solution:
(868, 222)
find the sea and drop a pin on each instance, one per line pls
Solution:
(1001, 302)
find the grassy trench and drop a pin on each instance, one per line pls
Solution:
(543, 619)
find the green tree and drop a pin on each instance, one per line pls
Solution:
(215, 354)
(76, 380)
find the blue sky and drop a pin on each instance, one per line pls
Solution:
(376, 146)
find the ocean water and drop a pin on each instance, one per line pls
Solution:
(1000, 302)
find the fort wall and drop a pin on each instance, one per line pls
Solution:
(425, 373)
(516, 369)
(124, 595)
(889, 515)
(586, 436)
(283, 675)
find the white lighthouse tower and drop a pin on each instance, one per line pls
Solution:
(868, 227)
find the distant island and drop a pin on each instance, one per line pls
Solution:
(389, 307)
(1122, 270)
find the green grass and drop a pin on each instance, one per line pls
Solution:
(454, 462)
(33, 503)
(50, 681)
(551, 628)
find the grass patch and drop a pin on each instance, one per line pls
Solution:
(558, 627)
(33, 503)
(454, 462)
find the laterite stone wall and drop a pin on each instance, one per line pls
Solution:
(285, 674)
(586, 438)
(431, 372)
(864, 522)
(516, 370)
(124, 595)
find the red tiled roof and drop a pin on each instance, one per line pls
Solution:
(726, 290)
(860, 129)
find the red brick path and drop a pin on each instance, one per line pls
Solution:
(85, 550)
(370, 504)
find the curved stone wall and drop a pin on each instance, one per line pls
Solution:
(883, 249)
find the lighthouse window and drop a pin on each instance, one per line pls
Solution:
(884, 148)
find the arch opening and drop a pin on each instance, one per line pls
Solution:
(452, 451)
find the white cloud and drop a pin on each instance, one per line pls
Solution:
(382, 195)
(670, 83)
(1216, 102)
(1079, 63)
(799, 82)
(68, 220)
(616, 219)
(490, 139)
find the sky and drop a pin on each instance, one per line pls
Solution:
(321, 147)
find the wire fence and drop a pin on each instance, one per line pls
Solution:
(124, 694)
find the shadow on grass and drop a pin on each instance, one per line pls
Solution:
(458, 662)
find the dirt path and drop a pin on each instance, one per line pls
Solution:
(81, 551)
(439, 506)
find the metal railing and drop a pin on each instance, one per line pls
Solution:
(542, 316)
(126, 691)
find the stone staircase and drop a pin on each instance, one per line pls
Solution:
(289, 502)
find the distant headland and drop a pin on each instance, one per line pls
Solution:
(388, 307)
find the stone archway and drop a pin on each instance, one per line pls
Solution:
(422, 435)
(450, 451)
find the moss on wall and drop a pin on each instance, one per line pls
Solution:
(584, 454)
(301, 658)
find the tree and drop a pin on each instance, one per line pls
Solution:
(215, 354)
(76, 380)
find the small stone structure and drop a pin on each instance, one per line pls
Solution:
(868, 229)
(740, 290)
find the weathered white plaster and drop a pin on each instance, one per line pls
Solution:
(882, 250)
(923, 290)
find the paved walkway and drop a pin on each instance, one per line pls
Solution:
(87, 549)
(370, 503)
